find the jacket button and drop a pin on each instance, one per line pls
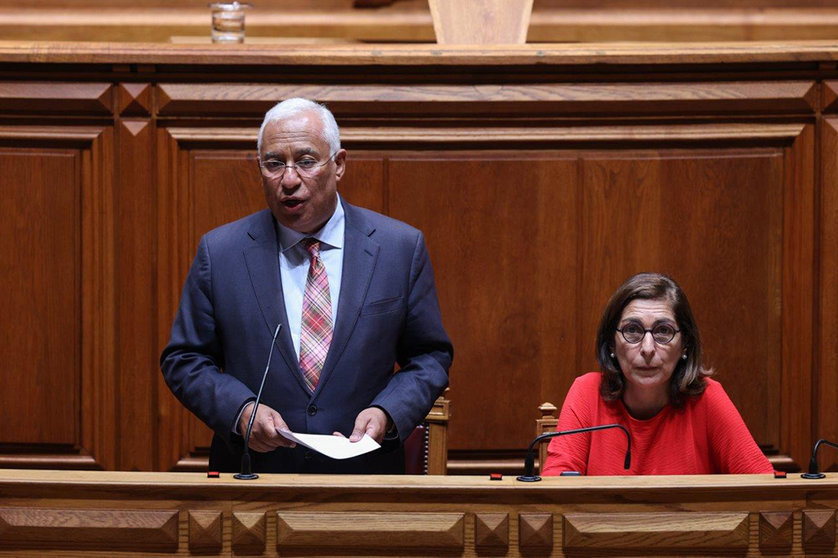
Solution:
(312, 410)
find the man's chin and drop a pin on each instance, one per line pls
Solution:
(293, 220)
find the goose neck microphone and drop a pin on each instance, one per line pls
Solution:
(813, 463)
(246, 470)
(529, 463)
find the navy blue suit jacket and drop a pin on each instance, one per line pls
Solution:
(388, 315)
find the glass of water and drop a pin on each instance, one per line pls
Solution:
(228, 21)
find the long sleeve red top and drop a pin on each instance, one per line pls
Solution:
(707, 435)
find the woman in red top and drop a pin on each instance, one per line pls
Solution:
(652, 382)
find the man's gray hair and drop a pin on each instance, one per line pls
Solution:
(296, 105)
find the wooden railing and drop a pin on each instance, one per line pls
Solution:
(187, 514)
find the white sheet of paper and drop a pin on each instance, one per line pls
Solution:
(336, 447)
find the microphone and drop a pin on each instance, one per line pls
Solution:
(246, 472)
(529, 463)
(813, 463)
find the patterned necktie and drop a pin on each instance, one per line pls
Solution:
(316, 330)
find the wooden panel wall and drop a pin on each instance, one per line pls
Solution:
(44, 193)
(58, 234)
(539, 191)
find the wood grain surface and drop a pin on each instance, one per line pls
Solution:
(72, 514)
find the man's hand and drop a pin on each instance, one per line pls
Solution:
(264, 436)
(372, 421)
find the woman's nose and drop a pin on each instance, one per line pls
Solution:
(647, 344)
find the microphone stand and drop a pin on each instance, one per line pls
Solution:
(813, 463)
(529, 462)
(246, 471)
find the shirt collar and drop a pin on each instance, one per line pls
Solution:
(330, 235)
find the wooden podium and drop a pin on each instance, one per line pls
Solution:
(481, 22)
(188, 514)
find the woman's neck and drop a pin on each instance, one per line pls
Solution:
(644, 404)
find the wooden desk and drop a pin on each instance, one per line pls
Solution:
(165, 514)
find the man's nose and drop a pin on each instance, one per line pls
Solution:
(290, 178)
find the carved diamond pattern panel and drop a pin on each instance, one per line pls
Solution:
(776, 530)
(249, 530)
(205, 531)
(491, 532)
(535, 532)
(818, 530)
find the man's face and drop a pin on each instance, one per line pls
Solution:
(301, 199)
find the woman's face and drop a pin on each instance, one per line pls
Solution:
(648, 365)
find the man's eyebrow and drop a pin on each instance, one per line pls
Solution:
(299, 152)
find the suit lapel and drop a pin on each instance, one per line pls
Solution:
(360, 254)
(261, 259)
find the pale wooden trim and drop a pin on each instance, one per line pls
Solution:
(176, 99)
(506, 136)
(23, 483)
(437, 424)
(538, 54)
(63, 134)
(547, 423)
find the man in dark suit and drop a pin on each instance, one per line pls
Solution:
(354, 293)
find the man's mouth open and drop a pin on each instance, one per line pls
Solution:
(292, 203)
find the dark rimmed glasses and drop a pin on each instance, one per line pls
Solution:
(662, 334)
(274, 168)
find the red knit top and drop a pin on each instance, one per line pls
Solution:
(707, 435)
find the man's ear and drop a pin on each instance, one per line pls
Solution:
(340, 163)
